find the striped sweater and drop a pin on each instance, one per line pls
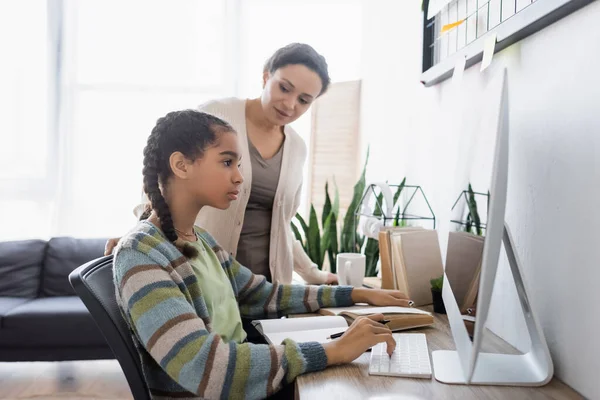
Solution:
(182, 357)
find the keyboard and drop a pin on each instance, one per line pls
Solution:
(410, 359)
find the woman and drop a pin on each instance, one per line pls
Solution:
(256, 228)
(183, 296)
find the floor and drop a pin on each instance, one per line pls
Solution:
(102, 379)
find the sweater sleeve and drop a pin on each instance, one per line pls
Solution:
(170, 330)
(259, 298)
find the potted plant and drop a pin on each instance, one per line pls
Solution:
(436, 294)
(319, 242)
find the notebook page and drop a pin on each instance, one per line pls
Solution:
(318, 335)
(290, 325)
(338, 310)
(388, 310)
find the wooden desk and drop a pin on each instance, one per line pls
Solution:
(352, 381)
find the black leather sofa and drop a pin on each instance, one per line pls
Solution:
(41, 318)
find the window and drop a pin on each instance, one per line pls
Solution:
(335, 144)
(26, 151)
(118, 82)
(83, 83)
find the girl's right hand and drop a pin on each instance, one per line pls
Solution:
(364, 333)
(110, 246)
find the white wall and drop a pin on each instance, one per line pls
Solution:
(553, 190)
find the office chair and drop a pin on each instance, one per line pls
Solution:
(93, 283)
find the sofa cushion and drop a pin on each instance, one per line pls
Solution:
(20, 267)
(64, 254)
(8, 303)
(50, 321)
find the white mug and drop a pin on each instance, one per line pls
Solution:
(351, 269)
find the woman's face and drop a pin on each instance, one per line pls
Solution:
(289, 92)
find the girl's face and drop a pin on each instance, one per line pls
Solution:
(289, 92)
(213, 179)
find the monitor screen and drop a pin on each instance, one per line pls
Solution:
(468, 219)
(476, 233)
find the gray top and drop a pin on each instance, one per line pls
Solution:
(254, 244)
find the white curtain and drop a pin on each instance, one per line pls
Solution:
(88, 80)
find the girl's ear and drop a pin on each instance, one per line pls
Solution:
(266, 76)
(179, 165)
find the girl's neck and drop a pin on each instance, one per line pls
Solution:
(256, 116)
(183, 215)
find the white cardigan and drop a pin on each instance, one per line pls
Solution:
(286, 253)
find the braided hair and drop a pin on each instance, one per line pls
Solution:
(189, 132)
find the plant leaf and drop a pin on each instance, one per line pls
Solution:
(325, 239)
(469, 224)
(437, 283)
(372, 257)
(397, 217)
(350, 221)
(396, 197)
(332, 249)
(399, 191)
(377, 211)
(297, 235)
(302, 224)
(333, 243)
(326, 206)
(472, 203)
(336, 200)
(314, 238)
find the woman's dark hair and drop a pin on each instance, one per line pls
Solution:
(189, 132)
(303, 54)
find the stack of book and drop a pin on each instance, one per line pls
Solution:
(410, 258)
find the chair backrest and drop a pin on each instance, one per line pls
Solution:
(93, 283)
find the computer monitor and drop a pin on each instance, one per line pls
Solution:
(468, 364)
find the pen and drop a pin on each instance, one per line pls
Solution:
(339, 334)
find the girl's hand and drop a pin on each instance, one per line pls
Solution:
(381, 297)
(110, 246)
(364, 333)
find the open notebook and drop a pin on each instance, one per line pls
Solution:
(308, 329)
(337, 319)
(401, 318)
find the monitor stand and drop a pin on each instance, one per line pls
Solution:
(534, 368)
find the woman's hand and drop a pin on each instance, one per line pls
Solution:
(110, 246)
(380, 297)
(332, 279)
(364, 333)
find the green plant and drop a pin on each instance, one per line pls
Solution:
(348, 244)
(320, 240)
(316, 244)
(473, 213)
(397, 220)
(313, 242)
(473, 221)
(372, 247)
(437, 284)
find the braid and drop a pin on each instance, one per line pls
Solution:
(188, 132)
(146, 213)
(157, 200)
